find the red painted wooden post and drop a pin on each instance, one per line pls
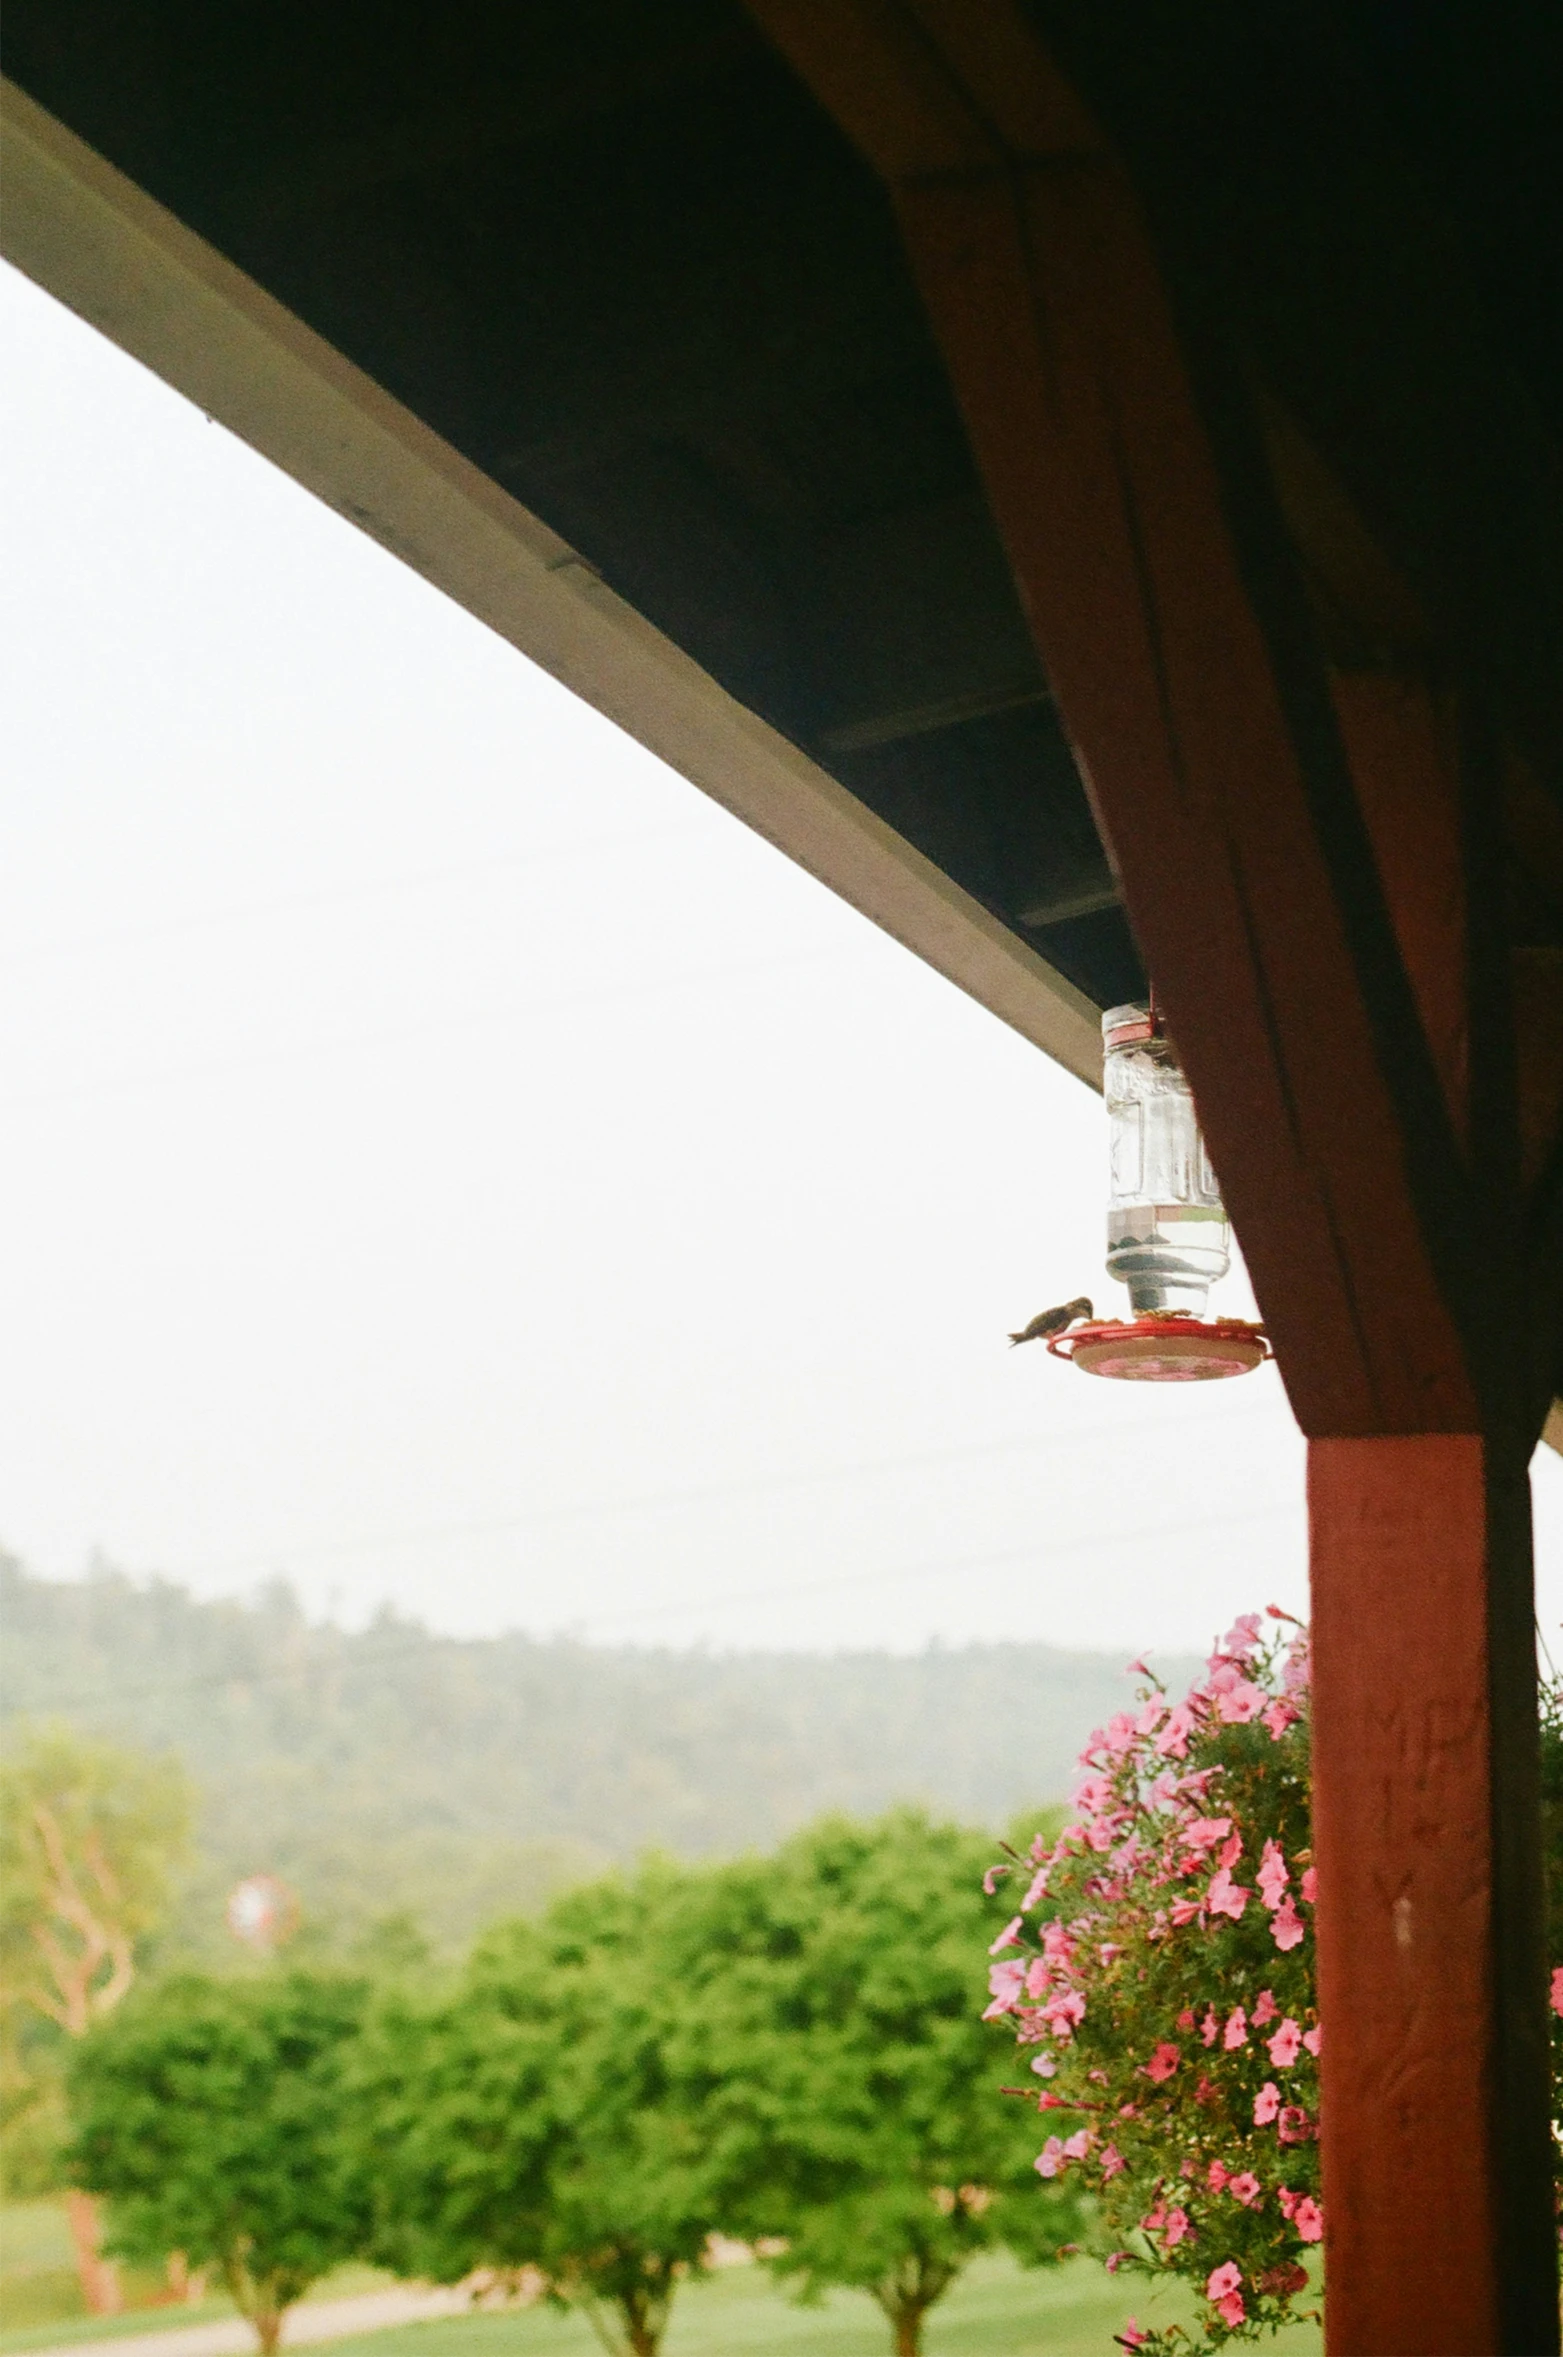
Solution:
(1310, 947)
(1419, 2114)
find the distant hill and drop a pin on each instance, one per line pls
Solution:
(392, 1769)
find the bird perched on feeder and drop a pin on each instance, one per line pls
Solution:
(1053, 1321)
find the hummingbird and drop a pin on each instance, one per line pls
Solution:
(1053, 1321)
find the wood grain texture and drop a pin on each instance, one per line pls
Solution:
(1435, 2161)
(1297, 864)
(1067, 367)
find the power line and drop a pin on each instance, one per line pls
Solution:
(1096, 1541)
(591, 1509)
(638, 987)
(386, 887)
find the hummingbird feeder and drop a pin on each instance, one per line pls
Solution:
(1167, 1235)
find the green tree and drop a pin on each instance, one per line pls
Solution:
(212, 2115)
(529, 2121)
(834, 2045)
(90, 1837)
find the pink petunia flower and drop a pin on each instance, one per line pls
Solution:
(1093, 1797)
(1184, 1910)
(1051, 2158)
(1173, 1741)
(1285, 2044)
(1186, 2018)
(1265, 2010)
(1036, 1889)
(1245, 2188)
(1226, 1897)
(1288, 2200)
(1294, 2125)
(1063, 2013)
(1116, 2259)
(1273, 1875)
(1202, 1833)
(1313, 2039)
(1231, 2310)
(1287, 1927)
(1163, 2062)
(1044, 2066)
(1223, 2279)
(1230, 1851)
(1113, 2163)
(1281, 1714)
(1557, 1990)
(1131, 2336)
(1308, 2219)
(1077, 2146)
(1177, 2230)
(1209, 2027)
(1216, 2176)
(1236, 2032)
(1239, 1703)
(1266, 2103)
(1004, 1981)
(1039, 1977)
(994, 1876)
(1242, 1638)
(1008, 1936)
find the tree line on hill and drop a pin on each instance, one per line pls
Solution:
(392, 1770)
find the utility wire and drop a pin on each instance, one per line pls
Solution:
(653, 1501)
(327, 1051)
(387, 887)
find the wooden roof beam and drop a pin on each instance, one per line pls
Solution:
(1338, 983)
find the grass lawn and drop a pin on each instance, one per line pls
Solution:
(995, 2311)
(40, 2296)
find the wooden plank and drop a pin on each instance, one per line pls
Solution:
(102, 247)
(1043, 291)
(1426, 1832)
(1104, 487)
(1299, 971)
(1405, 764)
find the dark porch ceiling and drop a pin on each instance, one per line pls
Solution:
(618, 257)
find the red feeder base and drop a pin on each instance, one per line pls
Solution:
(1165, 1349)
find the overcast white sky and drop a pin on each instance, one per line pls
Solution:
(448, 1160)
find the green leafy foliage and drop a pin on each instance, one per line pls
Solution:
(531, 2119)
(213, 2116)
(91, 1837)
(835, 2048)
(1159, 1972)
